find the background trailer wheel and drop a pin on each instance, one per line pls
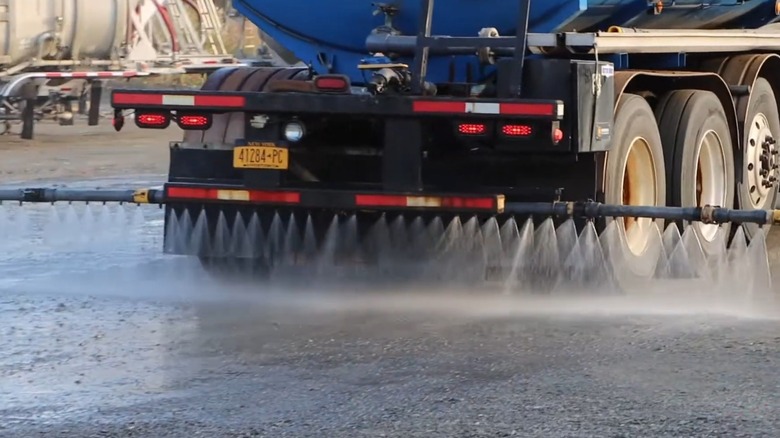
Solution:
(634, 174)
(699, 157)
(757, 189)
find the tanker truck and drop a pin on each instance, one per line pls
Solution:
(633, 120)
(54, 54)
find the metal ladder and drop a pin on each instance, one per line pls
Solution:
(188, 40)
(211, 27)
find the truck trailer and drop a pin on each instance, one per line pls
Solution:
(632, 117)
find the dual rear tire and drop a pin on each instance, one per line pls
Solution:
(757, 189)
(634, 174)
(681, 154)
(699, 157)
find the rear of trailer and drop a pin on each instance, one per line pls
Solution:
(580, 113)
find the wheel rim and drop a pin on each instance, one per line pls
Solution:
(639, 183)
(759, 161)
(710, 178)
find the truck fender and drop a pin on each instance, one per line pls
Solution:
(744, 70)
(654, 84)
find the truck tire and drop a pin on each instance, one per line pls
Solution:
(225, 129)
(762, 120)
(212, 83)
(634, 174)
(699, 157)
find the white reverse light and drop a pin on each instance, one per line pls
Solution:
(293, 131)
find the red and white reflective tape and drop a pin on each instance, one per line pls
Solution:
(92, 74)
(234, 195)
(190, 100)
(499, 108)
(488, 203)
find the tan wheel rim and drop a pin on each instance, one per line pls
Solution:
(711, 179)
(639, 188)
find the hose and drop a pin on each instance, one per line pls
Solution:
(166, 17)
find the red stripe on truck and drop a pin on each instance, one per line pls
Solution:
(528, 109)
(258, 196)
(220, 101)
(188, 100)
(455, 107)
(325, 199)
(423, 106)
(492, 203)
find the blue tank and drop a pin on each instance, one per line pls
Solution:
(331, 35)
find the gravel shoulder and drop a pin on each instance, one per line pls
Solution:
(72, 153)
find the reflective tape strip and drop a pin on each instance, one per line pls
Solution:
(492, 203)
(188, 100)
(258, 196)
(93, 74)
(233, 195)
(500, 108)
(174, 100)
(483, 108)
(423, 201)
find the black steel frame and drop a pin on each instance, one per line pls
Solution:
(425, 42)
(319, 103)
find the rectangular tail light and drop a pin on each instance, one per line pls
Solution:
(193, 121)
(152, 120)
(338, 83)
(514, 130)
(472, 129)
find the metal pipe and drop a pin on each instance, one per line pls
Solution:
(140, 196)
(590, 210)
(439, 45)
(593, 210)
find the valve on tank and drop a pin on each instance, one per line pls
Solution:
(382, 75)
(389, 11)
(389, 79)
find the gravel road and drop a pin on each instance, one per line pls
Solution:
(101, 335)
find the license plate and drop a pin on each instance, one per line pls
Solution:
(261, 156)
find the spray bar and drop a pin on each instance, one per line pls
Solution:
(591, 210)
(140, 196)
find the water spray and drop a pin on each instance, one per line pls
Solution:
(520, 245)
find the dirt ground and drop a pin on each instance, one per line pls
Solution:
(79, 152)
(111, 339)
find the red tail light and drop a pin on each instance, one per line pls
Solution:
(155, 120)
(194, 121)
(331, 83)
(557, 135)
(472, 128)
(517, 130)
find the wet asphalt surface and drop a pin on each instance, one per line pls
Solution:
(102, 335)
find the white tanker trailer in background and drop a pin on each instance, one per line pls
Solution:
(57, 53)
